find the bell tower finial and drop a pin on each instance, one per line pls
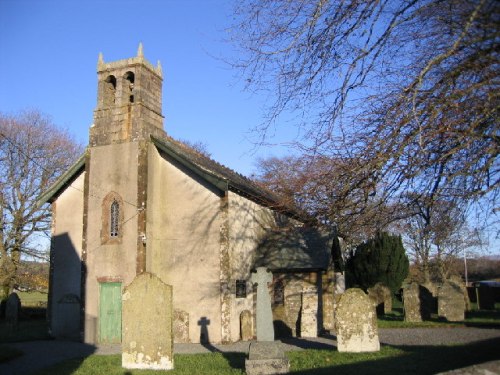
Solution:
(140, 52)
(100, 60)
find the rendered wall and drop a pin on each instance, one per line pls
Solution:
(112, 168)
(247, 223)
(183, 233)
(66, 261)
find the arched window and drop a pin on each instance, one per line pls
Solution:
(109, 91)
(114, 219)
(128, 86)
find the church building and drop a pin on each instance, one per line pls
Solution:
(139, 201)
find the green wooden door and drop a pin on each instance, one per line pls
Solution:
(110, 313)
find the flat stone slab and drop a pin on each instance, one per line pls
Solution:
(266, 358)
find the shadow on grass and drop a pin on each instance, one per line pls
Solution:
(28, 330)
(417, 360)
(40, 357)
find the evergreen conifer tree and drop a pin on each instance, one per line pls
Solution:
(380, 259)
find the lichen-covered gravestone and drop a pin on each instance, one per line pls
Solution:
(309, 316)
(293, 301)
(356, 323)
(147, 337)
(382, 297)
(246, 324)
(451, 302)
(181, 326)
(12, 311)
(418, 303)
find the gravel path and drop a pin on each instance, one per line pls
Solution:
(40, 354)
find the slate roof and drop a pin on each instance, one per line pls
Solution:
(294, 249)
(223, 177)
(208, 169)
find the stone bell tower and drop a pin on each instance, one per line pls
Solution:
(128, 101)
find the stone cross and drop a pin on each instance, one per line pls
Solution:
(265, 329)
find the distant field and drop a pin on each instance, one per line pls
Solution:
(33, 299)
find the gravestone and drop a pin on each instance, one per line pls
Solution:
(309, 315)
(382, 297)
(451, 302)
(12, 311)
(485, 297)
(265, 357)
(293, 303)
(418, 303)
(356, 323)
(181, 326)
(264, 321)
(147, 337)
(246, 325)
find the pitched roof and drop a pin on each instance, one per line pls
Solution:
(221, 176)
(208, 169)
(296, 248)
(62, 182)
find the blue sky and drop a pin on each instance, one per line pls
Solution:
(48, 59)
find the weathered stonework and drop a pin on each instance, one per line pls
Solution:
(309, 312)
(293, 302)
(147, 338)
(451, 303)
(382, 297)
(181, 326)
(246, 324)
(356, 323)
(418, 303)
(266, 358)
(327, 298)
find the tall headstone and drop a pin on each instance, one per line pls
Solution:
(419, 303)
(451, 302)
(485, 297)
(147, 337)
(293, 302)
(356, 323)
(12, 311)
(309, 315)
(265, 329)
(265, 357)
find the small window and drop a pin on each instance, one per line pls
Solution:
(279, 293)
(241, 289)
(114, 219)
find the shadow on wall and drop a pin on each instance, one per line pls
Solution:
(66, 285)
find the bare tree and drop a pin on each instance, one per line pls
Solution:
(408, 88)
(326, 189)
(33, 153)
(436, 234)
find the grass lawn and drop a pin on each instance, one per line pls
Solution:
(396, 360)
(473, 318)
(33, 299)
